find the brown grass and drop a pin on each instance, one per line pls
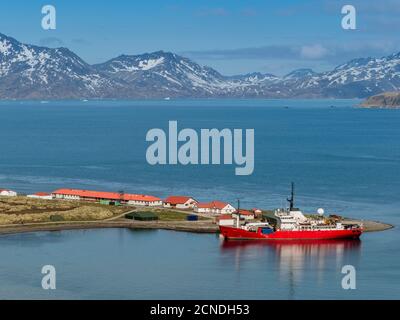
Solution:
(18, 210)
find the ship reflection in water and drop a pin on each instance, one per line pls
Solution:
(294, 262)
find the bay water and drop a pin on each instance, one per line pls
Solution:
(342, 158)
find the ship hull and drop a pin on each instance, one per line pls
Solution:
(233, 233)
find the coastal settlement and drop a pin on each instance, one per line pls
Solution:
(78, 209)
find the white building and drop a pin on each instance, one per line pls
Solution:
(143, 200)
(41, 195)
(225, 220)
(7, 193)
(67, 194)
(180, 202)
(214, 207)
(96, 196)
(244, 214)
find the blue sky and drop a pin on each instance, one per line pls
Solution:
(232, 36)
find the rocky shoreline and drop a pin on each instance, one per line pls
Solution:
(383, 100)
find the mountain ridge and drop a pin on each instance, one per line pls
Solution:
(38, 72)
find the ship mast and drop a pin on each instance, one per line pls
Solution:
(291, 199)
(238, 214)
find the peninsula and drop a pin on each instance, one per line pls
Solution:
(383, 100)
(21, 214)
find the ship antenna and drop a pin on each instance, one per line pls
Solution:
(291, 200)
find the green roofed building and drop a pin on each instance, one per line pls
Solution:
(142, 216)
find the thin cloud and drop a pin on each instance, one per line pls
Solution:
(80, 41)
(325, 53)
(51, 42)
(273, 51)
(313, 52)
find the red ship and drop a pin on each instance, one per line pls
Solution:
(291, 224)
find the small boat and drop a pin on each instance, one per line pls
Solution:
(291, 224)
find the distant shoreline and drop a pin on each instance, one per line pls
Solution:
(205, 226)
(45, 101)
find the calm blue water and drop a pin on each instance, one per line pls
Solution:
(343, 159)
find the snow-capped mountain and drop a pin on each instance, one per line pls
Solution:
(359, 78)
(299, 74)
(33, 72)
(163, 74)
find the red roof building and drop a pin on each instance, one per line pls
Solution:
(225, 220)
(42, 194)
(224, 217)
(179, 202)
(7, 193)
(89, 195)
(244, 214)
(257, 212)
(214, 207)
